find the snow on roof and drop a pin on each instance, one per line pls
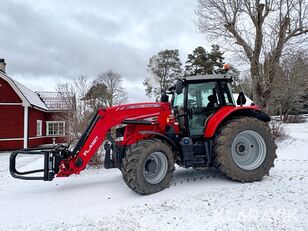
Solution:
(57, 100)
(31, 96)
(48, 101)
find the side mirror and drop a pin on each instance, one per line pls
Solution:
(241, 99)
(164, 98)
(179, 87)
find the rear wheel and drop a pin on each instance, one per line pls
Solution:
(244, 149)
(148, 166)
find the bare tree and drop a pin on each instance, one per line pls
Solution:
(80, 87)
(243, 84)
(290, 86)
(260, 32)
(113, 81)
(75, 113)
(89, 97)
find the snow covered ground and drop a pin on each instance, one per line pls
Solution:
(98, 199)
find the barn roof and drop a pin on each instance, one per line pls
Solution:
(59, 101)
(48, 101)
(32, 97)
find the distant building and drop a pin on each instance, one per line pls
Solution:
(28, 118)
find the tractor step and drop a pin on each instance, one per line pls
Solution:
(200, 161)
(195, 154)
(48, 170)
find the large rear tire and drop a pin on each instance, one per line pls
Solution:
(244, 149)
(148, 166)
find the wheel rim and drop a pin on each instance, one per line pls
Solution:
(248, 150)
(155, 167)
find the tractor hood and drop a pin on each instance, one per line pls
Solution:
(140, 106)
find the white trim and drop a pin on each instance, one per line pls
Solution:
(11, 104)
(39, 137)
(25, 102)
(52, 122)
(31, 138)
(40, 132)
(18, 91)
(12, 139)
(26, 126)
(40, 109)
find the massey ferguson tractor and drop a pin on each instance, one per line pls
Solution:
(199, 126)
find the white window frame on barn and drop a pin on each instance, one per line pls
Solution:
(39, 126)
(55, 125)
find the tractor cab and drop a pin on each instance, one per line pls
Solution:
(196, 98)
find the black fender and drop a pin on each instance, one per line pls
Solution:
(163, 137)
(258, 114)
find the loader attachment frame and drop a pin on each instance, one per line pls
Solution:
(49, 168)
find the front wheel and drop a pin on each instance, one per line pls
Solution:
(148, 166)
(244, 149)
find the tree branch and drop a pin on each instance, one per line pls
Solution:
(239, 40)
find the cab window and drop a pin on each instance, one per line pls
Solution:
(202, 95)
(226, 92)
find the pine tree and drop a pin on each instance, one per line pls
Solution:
(200, 62)
(165, 67)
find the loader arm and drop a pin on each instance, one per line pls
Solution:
(62, 162)
(98, 129)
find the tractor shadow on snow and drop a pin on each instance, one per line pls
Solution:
(184, 176)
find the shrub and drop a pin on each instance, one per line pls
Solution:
(278, 130)
(295, 119)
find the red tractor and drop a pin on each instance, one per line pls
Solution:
(201, 126)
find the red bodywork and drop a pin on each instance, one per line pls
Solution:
(160, 115)
(220, 115)
(111, 117)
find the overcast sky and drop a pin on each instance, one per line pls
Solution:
(47, 41)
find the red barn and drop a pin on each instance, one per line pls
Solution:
(28, 118)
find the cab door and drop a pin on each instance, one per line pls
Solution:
(202, 100)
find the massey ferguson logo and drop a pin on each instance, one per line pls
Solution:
(90, 146)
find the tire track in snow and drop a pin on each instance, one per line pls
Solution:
(204, 178)
(200, 178)
(281, 172)
(291, 160)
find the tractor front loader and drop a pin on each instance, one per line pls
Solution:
(201, 126)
